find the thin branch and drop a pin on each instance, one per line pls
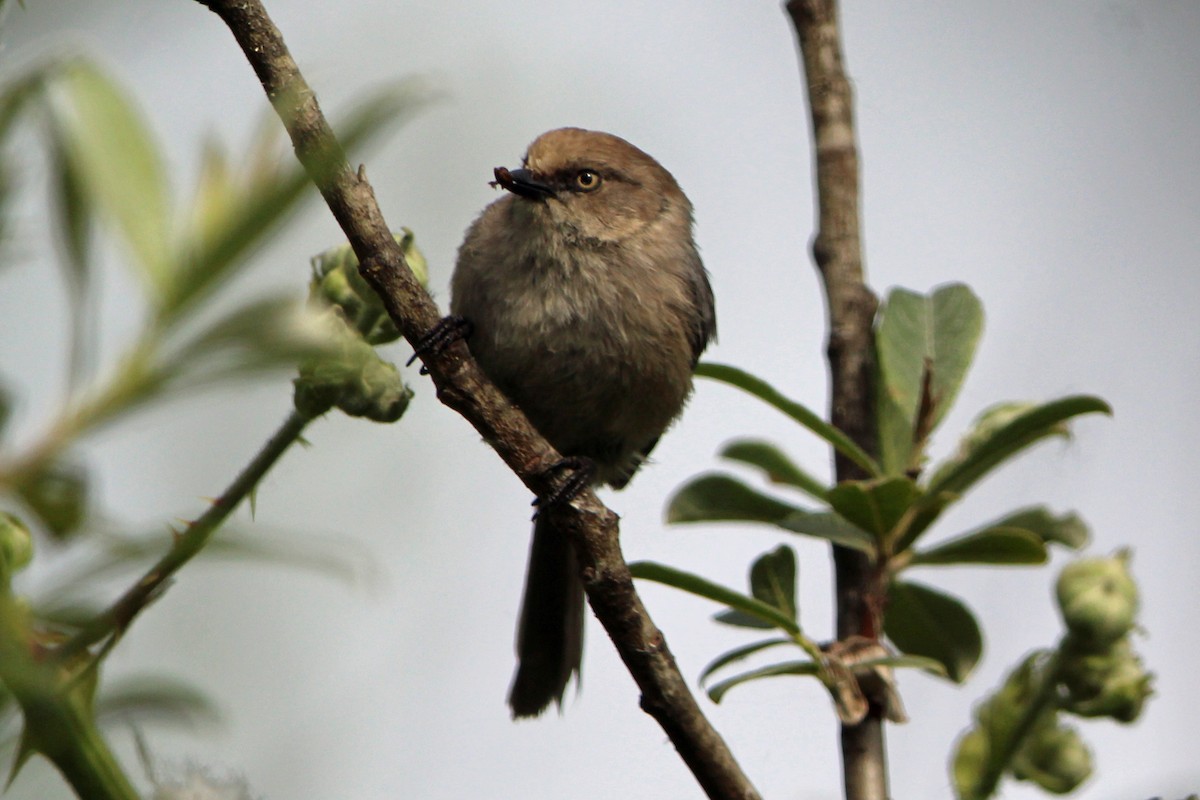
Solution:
(113, 621)
(837, 250)
(462, 386)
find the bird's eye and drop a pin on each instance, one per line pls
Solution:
(587, 180)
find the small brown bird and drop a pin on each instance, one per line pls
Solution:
(588, 307)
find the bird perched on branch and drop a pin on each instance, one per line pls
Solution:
(588, 306)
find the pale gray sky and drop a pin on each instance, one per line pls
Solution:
(1042, 152)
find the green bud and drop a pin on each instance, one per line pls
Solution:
(351, 377)
(337, 282)
(16, 545)
(1098, 600)
(1054, 758)
(1108, 684)
(970, 762)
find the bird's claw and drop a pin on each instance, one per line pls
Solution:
(582, 472)
(447, 331)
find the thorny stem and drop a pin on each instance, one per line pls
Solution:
(114, 620)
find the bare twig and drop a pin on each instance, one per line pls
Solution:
(462, 386)
(837, 250)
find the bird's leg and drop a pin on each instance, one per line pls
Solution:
(447, 331)
(582, 472)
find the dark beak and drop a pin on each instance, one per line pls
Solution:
(522, 183)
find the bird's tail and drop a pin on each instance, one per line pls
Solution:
(550, 633)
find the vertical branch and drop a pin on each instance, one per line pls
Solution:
(837, 251)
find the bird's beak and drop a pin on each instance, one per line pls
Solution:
(522, 183)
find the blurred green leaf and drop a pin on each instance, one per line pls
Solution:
(718, 690)
(777, 467)
(773, 579)
(694, 584)
(394, 103)
(58, 494)
(722, 498)
(118, 161)
(740, 619)
(271, 332)
(739, 654)
(829, 526)
(19, 92)
(1066, 529)
(923, 343)
(237, 209)
(875, 506)
(922, 621)
(800, 413)
(67, 597)
(992, 545)
(142, 699)
(73, 210)
(1003, 431)
(930, 665)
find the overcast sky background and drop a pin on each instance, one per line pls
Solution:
(1043, 152)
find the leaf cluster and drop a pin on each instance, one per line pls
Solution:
(924, 345)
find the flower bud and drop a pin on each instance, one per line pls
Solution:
(1055, 758)
(350, 376)
(1109, 684)
(1098, 600)
(337, 282)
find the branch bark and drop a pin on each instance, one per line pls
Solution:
(837, 251)
(462, 386)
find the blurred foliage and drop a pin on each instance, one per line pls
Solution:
(107, 179)
(1094, 673)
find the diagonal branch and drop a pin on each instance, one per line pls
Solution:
(462, 386)
(837, 250)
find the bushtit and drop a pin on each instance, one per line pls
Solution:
(588, 307)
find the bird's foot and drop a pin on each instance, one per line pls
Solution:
(447, 331)
(582, 473)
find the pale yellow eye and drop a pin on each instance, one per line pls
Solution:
(587, 180)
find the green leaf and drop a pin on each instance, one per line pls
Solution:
(739, 654)
(877, 505)
(694, 584)
(992, 545)
(929, 665)
(1003, 431)
(267, 333)
(777, 467)
(740, 619)
(1067, 529)
(119, 163)
(831, 527)
(924, 345)
(74, 212)
(722, 498)
(718, 690)
(773, 579)
(922, 621)
(800, 413)
(236, 209)
(152, 698)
